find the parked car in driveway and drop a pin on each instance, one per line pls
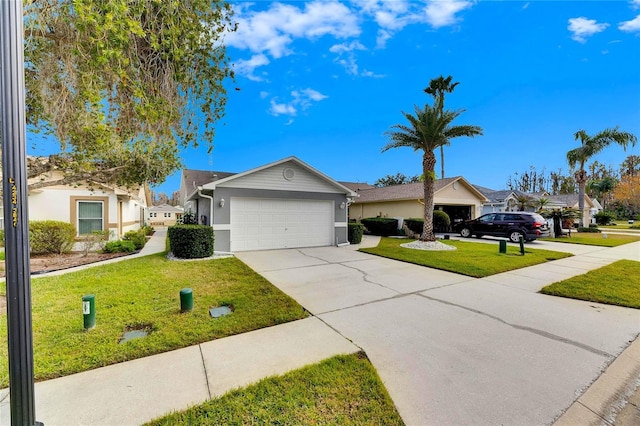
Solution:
(511, 225)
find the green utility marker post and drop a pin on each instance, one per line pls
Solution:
(89, 311)
(503, 246)
(186, 300)
(521, 245)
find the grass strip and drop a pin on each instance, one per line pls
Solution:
(472, 259)
(143, 293)
(595, 239)
(614, 284)
(343, 390)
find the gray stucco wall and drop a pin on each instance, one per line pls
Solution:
(222, 215)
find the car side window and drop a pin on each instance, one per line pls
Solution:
(512, 217)
(488, 218)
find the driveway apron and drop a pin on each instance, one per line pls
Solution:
(457, 350)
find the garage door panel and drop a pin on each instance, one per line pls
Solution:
(259, 224)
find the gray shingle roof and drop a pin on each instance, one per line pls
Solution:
(357, 186)
(201, 177)
(408, 191)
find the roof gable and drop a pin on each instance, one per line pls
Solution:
(289, 174)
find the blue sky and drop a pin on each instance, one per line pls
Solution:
(323, 81)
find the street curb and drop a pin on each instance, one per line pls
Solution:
(608, 395)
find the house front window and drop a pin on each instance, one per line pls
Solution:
(90, 216)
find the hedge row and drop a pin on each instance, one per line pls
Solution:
(383, 226)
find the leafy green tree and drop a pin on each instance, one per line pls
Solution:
(437, 88)
(601, 188)
(590, 146)
(397, 179)
(124, 84)
(427, 130)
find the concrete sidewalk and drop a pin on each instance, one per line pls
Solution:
(134, 392)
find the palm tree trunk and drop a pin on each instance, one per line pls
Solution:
(581, 180)
(428, 169)
(442, 161)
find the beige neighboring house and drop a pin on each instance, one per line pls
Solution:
(163, 215)
(95, 207)
(455, 196)
(561, 201)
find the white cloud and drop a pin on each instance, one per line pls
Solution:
(345, 55)
(393, 16)
(300, 100)
(247, 67)
(443, 13)
(582, 28)
(274, 30)
(525, 6)
(635, 4)
(630, 26)
(282, 109)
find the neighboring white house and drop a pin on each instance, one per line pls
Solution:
(90, 208)
(284, 204)
(163, 215)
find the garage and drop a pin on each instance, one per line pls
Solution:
(263, 223)
(284, 204)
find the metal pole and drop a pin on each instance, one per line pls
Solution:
(16, 219)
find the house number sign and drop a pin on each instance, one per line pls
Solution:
(14, 202)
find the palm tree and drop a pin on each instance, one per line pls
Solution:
(523, 202)
(590, 146)
(437, 88)
(542, 203)
(428, 129)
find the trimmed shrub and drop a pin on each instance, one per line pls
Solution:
(383, 226)
(147, 230)
(441, 221)
(604, 218)
(415, 224)
(120, 246)
(51, 236)
(138, 238)
(355, 231)
(589, 229)
(191, 241)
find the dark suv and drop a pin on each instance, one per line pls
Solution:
(512, 225)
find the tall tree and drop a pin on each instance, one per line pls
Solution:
(437, 88)
(601, 188)
(630, 166)
(427, 130)
(124, 84)
(590, 146)
(627, 195)
(397, 179)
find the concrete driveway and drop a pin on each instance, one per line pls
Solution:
(458, 350)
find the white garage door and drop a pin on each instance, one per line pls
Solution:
(262, 223)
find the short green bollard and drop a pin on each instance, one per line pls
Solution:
(503, 246)
(186, 300)
(89, 311)
(521, 245)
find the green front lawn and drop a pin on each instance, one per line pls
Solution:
(344, 390)
(143, 293)
(596, 239)
(615, 284)
(473, 259)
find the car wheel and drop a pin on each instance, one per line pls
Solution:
(514, 236)
(465, 232)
